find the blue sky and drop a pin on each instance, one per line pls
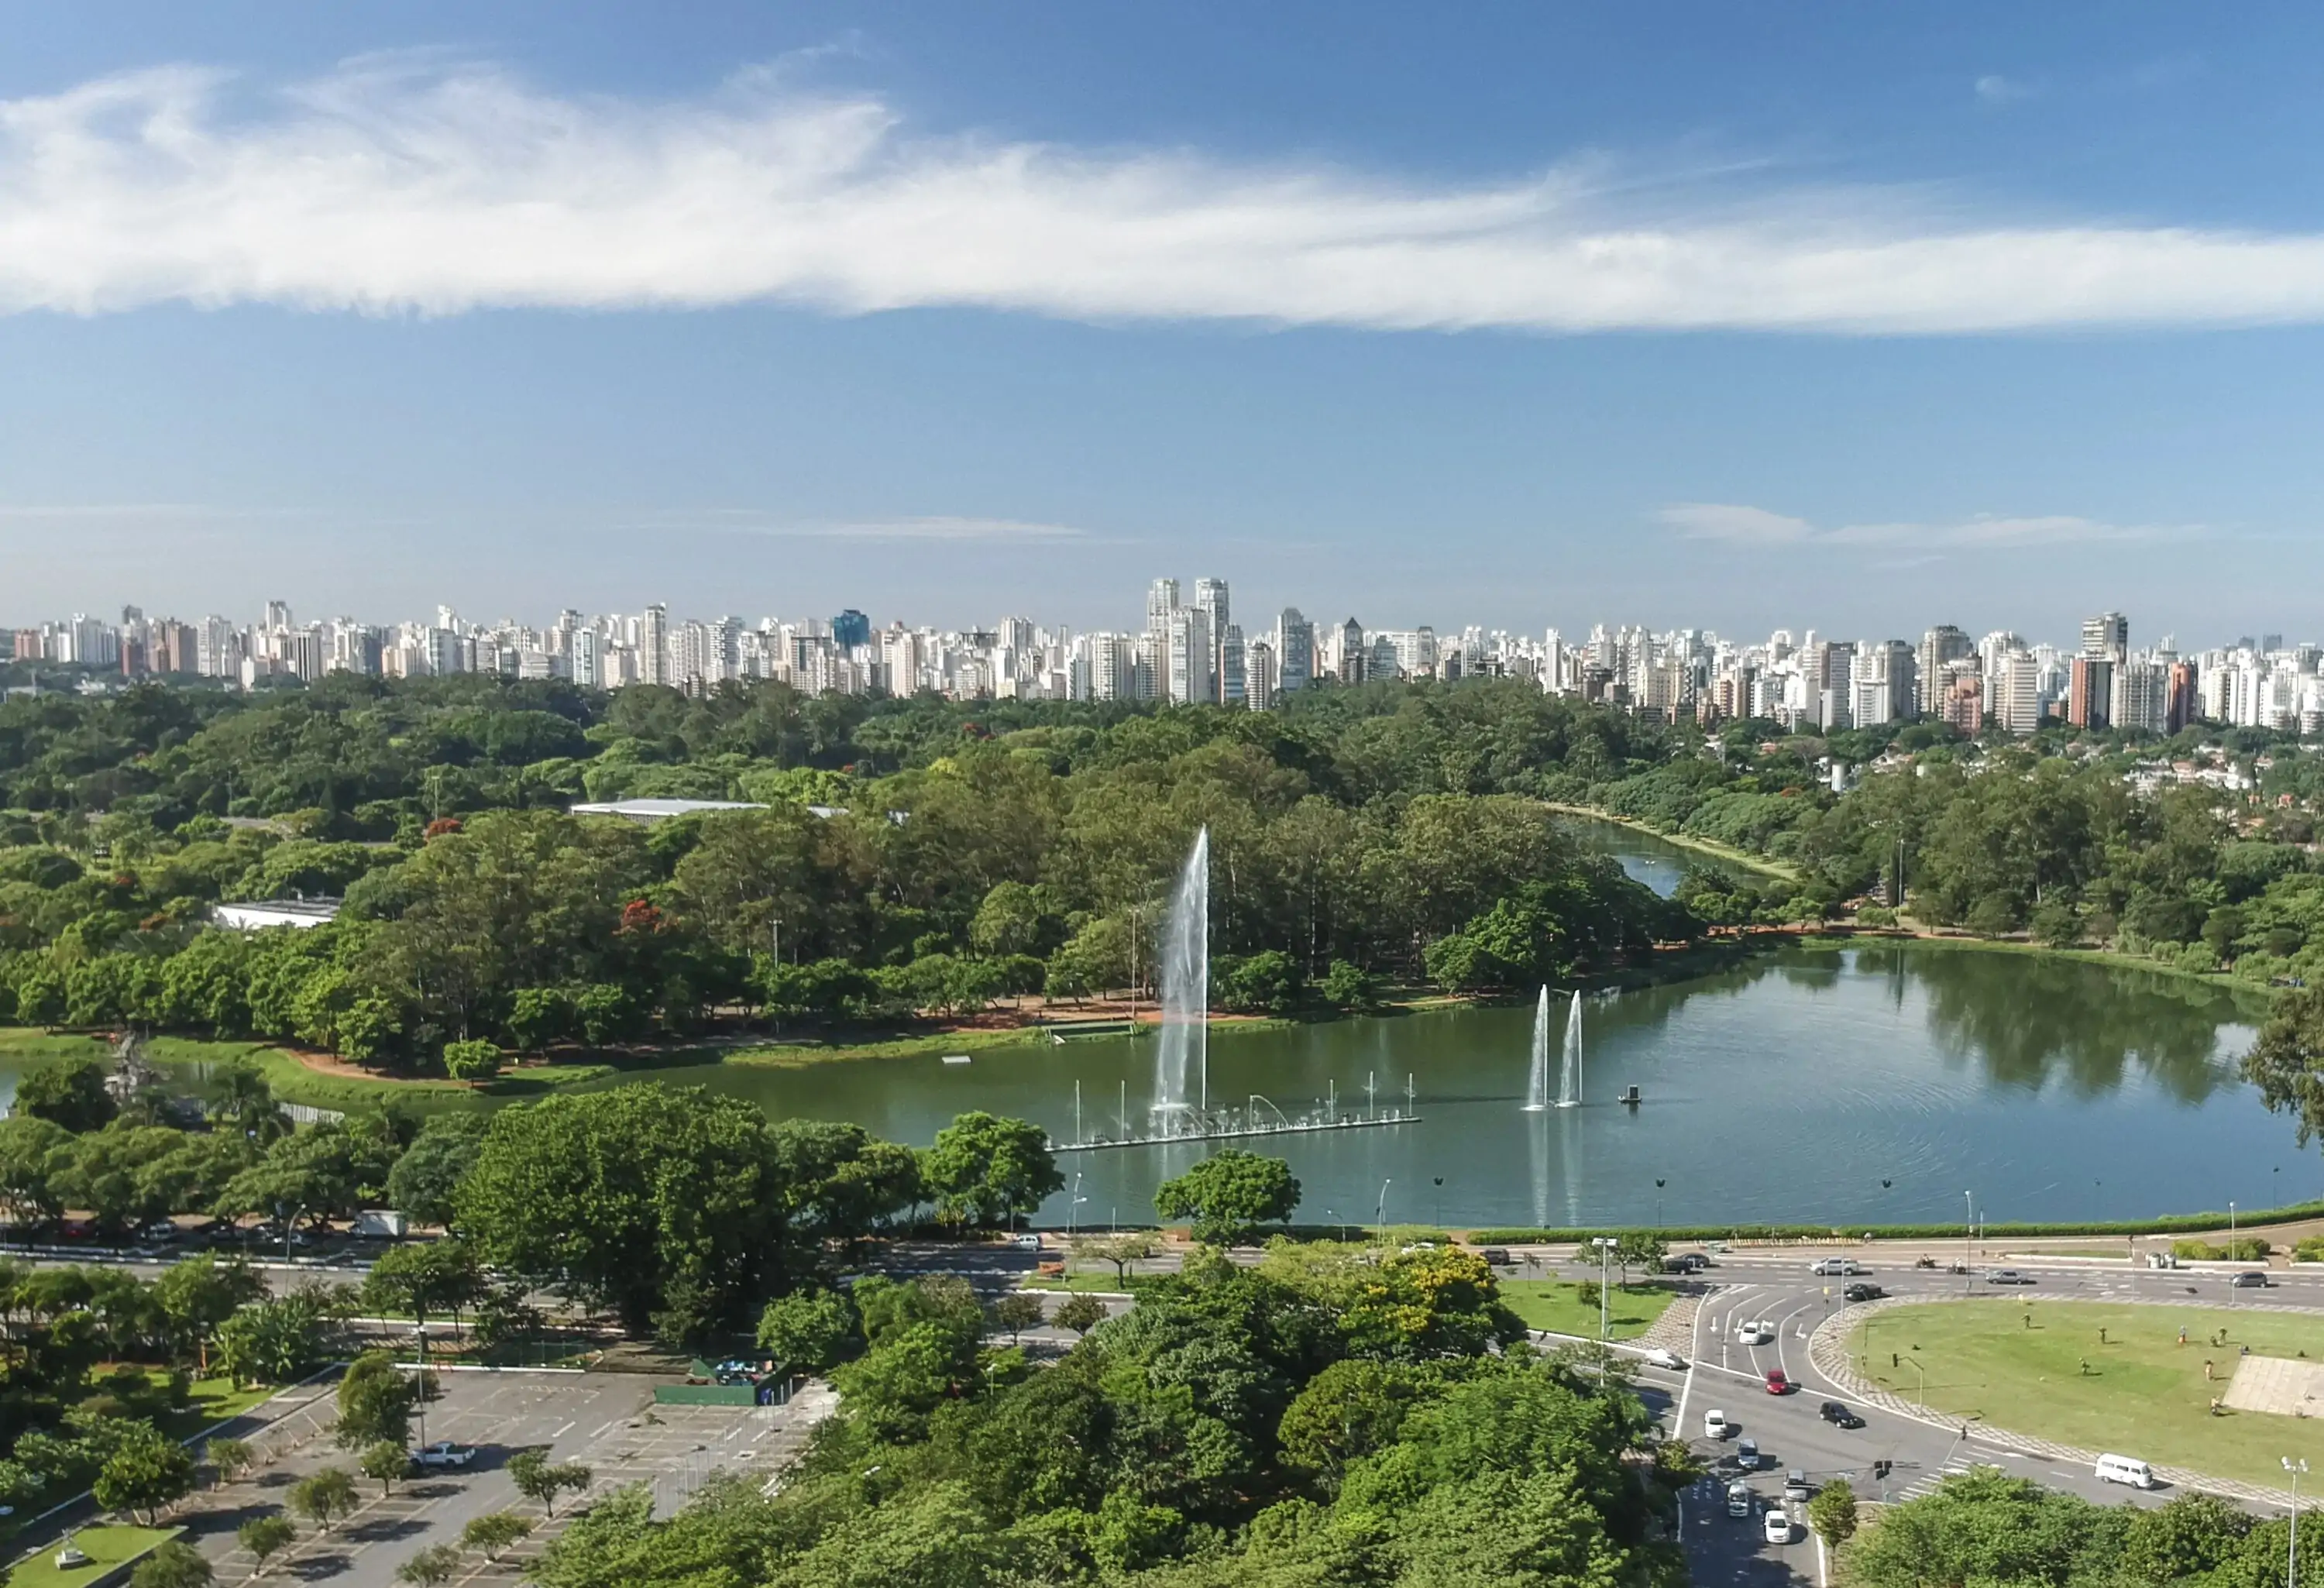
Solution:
(1858, 319)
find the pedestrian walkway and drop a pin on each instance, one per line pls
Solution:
(1828, 1351)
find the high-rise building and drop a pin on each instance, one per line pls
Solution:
(1189, 678)
(1961, 698)
(653, 644)
(2106, 636)
(2141, 700)
(2089, 689)
(2185, 703)
(1211, 600)
(1940, 645)
(1234, 685)
(1295, 653)
(581, 659)
(2013, 698)
(1348, 651)
(1259, 676)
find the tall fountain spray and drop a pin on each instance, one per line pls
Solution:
(1183, 1055)
(1569, 1087)
(1537, 1076)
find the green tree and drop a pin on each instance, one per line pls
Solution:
(651, 1200)
(436, 1564)
(1017, 1311)
(808, 1330)
(1230, 1194)
(1833, 1513)
(172, 1565)
(145, 1471)
(1638, 1249)
(537, 1479)
(2286, 1063)
(69, 1095)
(376, 1399)
(277, 1341)
(471, 1061)
(198, 1293)
(228, 1458)
(425, 1177)
(265, 1538)
(1080, 1312)
(495, 1532)
(425, 1279)
(323, 1496)
(984, 1169)
(1350, 1410)
(384, 1463)
(1120, 1250)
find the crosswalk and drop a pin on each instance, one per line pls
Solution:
(1927, 1482)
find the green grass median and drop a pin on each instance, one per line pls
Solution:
(108, 1550)
(1558, 1307)
(2136, 1392)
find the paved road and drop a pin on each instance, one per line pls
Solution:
(1730, 1375)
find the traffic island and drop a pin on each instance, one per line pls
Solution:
(2068, 1378)
(112, 1553)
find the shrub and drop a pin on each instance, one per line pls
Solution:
(474, 1060)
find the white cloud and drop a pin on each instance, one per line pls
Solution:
(1711, 520)
(2000, 90)
(405, 185)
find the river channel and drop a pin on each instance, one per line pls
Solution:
(1850, 1084)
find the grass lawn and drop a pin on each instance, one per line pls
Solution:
(1555, 1306)
(214, 1401)
(106, 1548)
(1101, 1281)
(2144, 1395)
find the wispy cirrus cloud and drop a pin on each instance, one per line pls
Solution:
(1756, 526)
(406, 185)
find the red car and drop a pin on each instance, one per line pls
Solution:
(1777, 1384)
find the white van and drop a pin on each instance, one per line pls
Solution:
(2125, 1468)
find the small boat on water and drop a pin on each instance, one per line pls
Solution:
(956, 1058)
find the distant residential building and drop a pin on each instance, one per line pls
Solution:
(2090, 689)
(2106, 636)
(1295, 652)
(1939, 647)
(2141, 697)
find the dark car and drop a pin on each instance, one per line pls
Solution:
(1840, 1416)
(1685, 1263)
(1863, 1293)
(1496, 1256)
(2252, 1279)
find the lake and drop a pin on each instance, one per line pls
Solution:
(1848, 1085)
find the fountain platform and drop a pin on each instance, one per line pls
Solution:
(1231, 1129)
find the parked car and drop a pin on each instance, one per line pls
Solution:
(1778, 1529)
(1715, 1425)
(1738, 1500)
(1843, 1267)
(1747, 1454)
(2250, 1279)
(1668, 1360)
(1862, 1293)
(1797, 1485)
(1840, 1416)
(2008, 1277)
(444, 1454)
(1778, 1383)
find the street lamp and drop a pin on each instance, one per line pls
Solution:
(1380, 1210)
(1969, 1236)
(1071, 1222)
(1605, 1245)
(1437, 1214)
(1659, 1184)
(2291, 1554)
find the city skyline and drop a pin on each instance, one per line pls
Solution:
(1713, 318)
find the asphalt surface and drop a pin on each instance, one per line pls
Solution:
(1727, 1374)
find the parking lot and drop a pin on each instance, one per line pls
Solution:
(608, 1422)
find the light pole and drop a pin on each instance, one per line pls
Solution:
(2231, 1250)
(1968, 1238)
(1605, 1245)
(2291, 1554)
(1437, 1213)
(1380, 1210)
(1659, 1183)
(1071, 1222)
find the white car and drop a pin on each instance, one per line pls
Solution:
(1756, 1332)
(444, 1453)
(1715, 1425)
(1669, 1362)
(1846, 1267)
(1779, 1525)
(1026, 1242)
